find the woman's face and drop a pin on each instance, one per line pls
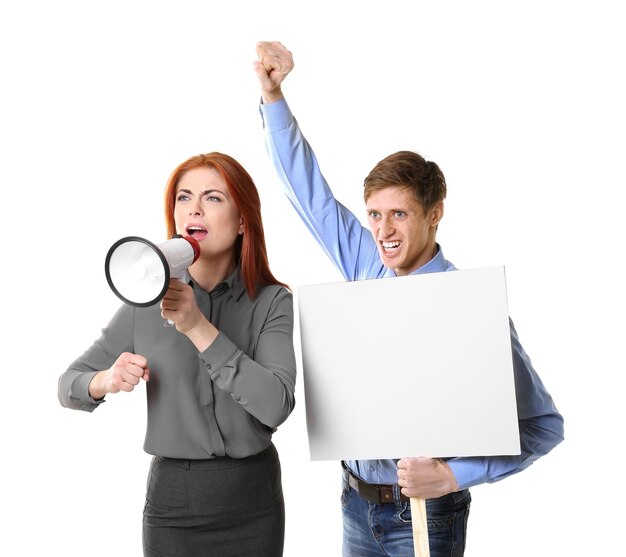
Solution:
(205, 211)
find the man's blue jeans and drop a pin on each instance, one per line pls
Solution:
(373, 530)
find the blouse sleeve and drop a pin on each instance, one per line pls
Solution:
(264, 382)
(116, 337)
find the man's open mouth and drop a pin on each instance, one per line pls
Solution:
(390, 247)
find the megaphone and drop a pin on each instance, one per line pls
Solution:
(139, 271)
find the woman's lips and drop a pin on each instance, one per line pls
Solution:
(197, 232)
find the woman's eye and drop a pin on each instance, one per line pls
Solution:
(182, 197)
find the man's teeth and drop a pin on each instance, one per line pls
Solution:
(391, 245)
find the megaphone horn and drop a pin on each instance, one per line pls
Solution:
(139, 271)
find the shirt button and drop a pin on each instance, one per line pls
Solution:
(372, 469)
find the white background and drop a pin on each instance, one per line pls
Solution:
(521, 104)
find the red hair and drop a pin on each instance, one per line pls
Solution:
(250, 250)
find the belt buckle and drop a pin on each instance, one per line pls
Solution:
(385, 494)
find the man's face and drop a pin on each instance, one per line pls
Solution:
(404, 233)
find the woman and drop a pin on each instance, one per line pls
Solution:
(218, 383)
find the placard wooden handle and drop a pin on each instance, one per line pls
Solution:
(420, 527)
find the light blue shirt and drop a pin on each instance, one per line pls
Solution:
(353, 250)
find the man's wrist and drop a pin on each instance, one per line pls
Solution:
(269, 97)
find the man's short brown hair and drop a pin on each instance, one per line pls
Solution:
(411, 170)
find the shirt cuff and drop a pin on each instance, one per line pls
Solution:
(276, 116)
(468, 471)
(221, 351)
(80, 392)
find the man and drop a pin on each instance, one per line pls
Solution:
(404, 196)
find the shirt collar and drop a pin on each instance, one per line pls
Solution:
(232, 282)
(437, 264)
(235, 283)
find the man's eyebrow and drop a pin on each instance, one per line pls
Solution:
(392, 210)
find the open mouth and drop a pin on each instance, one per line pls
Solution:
(390, 247)
(196, 232)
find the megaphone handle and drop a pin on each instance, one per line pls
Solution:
(184, 278)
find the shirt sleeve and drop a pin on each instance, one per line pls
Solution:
(540, 427)
(340, 233)
(263, 383)
(116, 337)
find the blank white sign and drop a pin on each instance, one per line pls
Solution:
(419, 365)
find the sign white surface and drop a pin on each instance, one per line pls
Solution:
(418, 365)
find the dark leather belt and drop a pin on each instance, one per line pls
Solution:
(374, 493)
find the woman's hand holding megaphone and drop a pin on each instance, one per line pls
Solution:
(123, 375)
(179, 306)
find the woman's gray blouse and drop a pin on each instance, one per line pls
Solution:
(227, 400)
